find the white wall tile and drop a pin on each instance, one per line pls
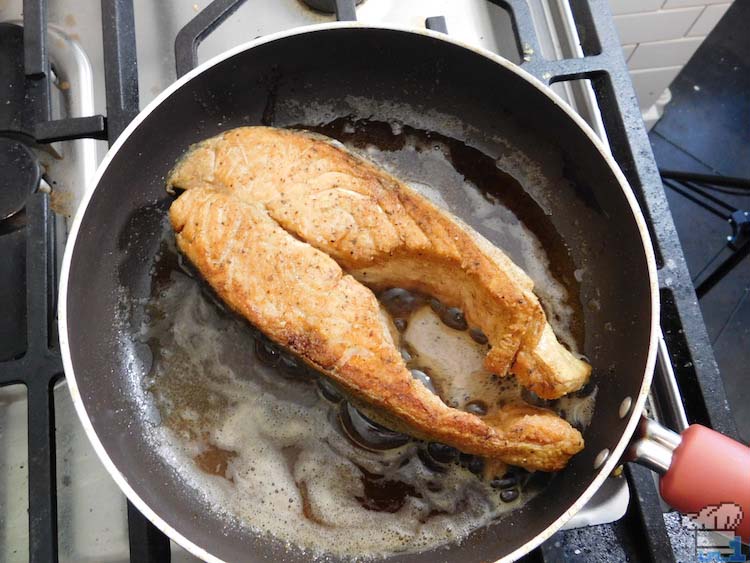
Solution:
(708, 19)
(632, 6)
(664, 53)
(627, 50)
(655, 26)
(649, 84)
(686, 3)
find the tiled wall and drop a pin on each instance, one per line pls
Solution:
(659, 36)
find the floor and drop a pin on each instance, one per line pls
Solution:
(706, 129)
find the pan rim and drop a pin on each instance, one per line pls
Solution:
(638, 404)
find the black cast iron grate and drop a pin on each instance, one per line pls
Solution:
(27, 246)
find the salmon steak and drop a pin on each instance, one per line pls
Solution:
(302, 299)
(294, 234)
(385, 234)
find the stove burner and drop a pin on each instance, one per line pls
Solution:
(327, 6)
(21, 176)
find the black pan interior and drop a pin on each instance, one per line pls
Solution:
(120, 231)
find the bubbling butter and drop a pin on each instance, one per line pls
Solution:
(267, 450)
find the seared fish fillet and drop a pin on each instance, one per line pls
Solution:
(300, 297)
(384, 234)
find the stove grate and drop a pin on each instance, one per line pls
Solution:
(39, 366)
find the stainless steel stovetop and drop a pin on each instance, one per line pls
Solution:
(92, 516)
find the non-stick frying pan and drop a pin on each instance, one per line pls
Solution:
(434, 82)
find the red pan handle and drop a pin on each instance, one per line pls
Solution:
(704, 474)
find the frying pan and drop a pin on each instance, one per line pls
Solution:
(421, 78)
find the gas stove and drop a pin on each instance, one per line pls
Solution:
(110, 59)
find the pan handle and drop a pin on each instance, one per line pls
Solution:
(701, 470)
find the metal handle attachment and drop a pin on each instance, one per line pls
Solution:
(653, 446)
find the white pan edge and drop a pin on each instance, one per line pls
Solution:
(638, 403)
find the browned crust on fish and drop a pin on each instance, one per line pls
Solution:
(385, 234)
(300, 297)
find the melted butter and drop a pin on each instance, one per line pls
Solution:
(265, 450)
(215, 461)
(455, 362)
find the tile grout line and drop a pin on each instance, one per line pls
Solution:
(692, 25)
